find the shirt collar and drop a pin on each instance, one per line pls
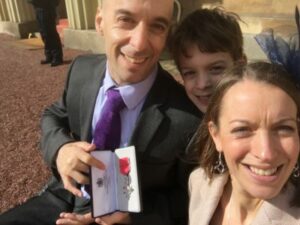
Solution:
(132, 94)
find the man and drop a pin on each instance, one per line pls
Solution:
(45, 11)
(158, 120)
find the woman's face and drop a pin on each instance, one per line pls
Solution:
(258, 135)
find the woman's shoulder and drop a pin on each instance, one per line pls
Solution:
(280, 208)
(198, 173)
(199, 181)
(198, 177)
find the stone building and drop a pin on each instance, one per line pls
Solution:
(17, 18)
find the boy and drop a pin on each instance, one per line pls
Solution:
(206, 43)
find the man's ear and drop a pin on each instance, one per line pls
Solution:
(214, 133)
(99, 21)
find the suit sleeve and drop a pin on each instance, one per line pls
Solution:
(55, 129)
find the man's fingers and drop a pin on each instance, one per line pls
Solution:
(92, 161)
(90, 148)
(82, 167)
(86, 146)
(114, 218)
(75, 219)
(68, 185)
(66, 221)
(88, 216)
(96, 163)
(100, 221)
(79, 177)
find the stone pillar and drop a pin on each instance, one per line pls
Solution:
(19, 11)
(3, 11)
(81, 13)
(81, 33)
(17, 18)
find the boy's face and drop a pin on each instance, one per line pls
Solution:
(201, 72)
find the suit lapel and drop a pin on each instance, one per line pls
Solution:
(151, 115)
(147, 125)
(88, 99)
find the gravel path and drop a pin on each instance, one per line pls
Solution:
(26, 88)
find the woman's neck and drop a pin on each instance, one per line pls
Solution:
(238, 207)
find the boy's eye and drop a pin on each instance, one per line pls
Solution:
(188, 73)
(216, 70)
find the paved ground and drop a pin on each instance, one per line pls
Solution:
(26, 88)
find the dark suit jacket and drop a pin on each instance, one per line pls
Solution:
(166, 122)
(44, 3)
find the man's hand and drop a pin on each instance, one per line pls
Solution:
(114, 218)
(73, 161)
(75, 219)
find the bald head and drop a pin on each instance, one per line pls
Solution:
(135, 32)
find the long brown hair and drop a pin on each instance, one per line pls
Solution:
(258, 71)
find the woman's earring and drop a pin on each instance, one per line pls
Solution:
(220, 167)
(296, 171)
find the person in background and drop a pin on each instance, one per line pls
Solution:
(248, 146)
(157, 118)
(45, 11)
(203, 46)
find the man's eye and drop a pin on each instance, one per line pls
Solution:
(158, 28)
(125, 21)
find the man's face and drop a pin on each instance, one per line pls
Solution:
(135, 32)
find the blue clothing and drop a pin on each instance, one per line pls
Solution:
(281, 51)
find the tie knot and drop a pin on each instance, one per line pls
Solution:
(115, 100)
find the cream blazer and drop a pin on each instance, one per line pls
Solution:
(205, 197)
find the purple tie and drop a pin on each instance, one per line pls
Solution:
(107, 134)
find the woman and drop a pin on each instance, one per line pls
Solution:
(249, 150)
